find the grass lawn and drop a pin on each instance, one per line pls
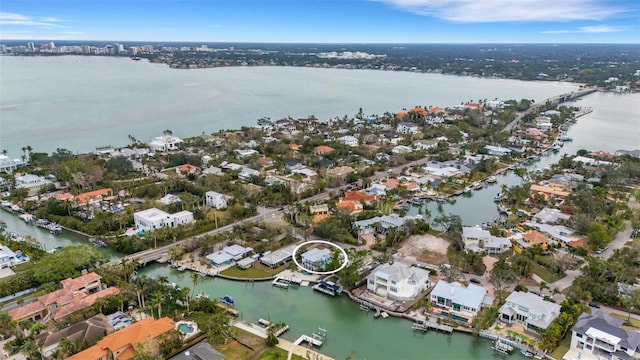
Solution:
(277, 354)
(635, 322)
(563, 347)
(23, 266)
(255, 272)
(234, 351)
(546, 275)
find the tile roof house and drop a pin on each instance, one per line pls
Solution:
(398, 281)
(121, 345)
(323, 150)
(464, 302)
(535, 313)
(319, 212)
(548, 192)
(76, 294)
(87, 331)
(600, 336)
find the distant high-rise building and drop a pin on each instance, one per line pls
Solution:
(52, 45)
(31, 46)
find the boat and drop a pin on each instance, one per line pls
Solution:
(477, 186)
(202, 295)
(181, 268)
(492, 179)
(228, 301)
(526, 353)
(328, 288)
(467, 190)
(281, 283)
(498, 197)
(564, 138)
(416, 201)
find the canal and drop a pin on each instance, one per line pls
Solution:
(349, 329)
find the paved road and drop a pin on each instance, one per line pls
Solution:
(619, 242)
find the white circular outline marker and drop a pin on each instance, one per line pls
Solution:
(344, 264)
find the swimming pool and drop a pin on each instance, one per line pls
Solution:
(185, 328)
(516, 231)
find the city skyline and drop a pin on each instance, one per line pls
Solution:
(306, 21)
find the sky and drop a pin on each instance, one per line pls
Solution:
(324, 21)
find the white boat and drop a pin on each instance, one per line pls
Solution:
(181, 268)
(526, 353)
(492, 179)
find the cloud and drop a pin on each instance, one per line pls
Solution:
(485, 11)
(587, 30)
(22, 20)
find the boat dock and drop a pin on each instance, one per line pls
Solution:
(284, 282)
(431, 324)
(501, 347)
(316, 339)
(328, 288)
(228, 309)
(279, 329)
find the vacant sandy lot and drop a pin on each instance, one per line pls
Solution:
(428, 248)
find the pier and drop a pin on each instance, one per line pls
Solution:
(316, 339)
(431, 324)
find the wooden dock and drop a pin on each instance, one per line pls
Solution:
(228, 309)
(427, 325)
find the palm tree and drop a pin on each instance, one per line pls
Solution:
(157, 299)
(195, 279)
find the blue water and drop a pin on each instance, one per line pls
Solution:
(185, 328)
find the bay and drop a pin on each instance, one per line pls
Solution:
(79, 103)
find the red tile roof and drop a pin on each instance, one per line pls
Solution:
(358, 196)
(323, 149)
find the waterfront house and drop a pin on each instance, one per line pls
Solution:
(8, 165)
(398, 281)
(462, 303)
(228, 254)
(556, 233)
(531, 310)
(315, 259)
(122, 344)
(530, 238)
(165, 143)
(278, 257)
(407, 128)
(151, 219)
(215, 200)
(497, 150)
(94, 197)
(591, 162)
(479, 240)
(550, 216)
(75, 294)
(601, 336)
(549, 193)
(7, 257)
(88, 331)
(199, 351)
(31, 182)
(382, 224)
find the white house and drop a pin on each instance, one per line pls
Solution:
(463, 302)
(382, 224)
(31, 182)
(7, 257)
(600, 336)
(7, 164)
(243, 153)
(425, 144)
(169, 199)
(228, 254)
(216, 200)
(247, 173)
(165, 143)
(398, 281)
(401, 149)
(315, 259)
(349, 140)
(478, 240)
(407, 128)
(534, 312)
(497, 150)
(150, 219)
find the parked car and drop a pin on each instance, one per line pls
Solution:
(594, 304)
(475, 281)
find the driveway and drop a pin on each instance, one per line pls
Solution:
(619, 242)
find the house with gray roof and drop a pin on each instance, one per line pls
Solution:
(199, 351)
(600, 336)
(88, 331)
(398, 281)
(228, 254)
(278, 257)
(550, 216)
(315, 259)
(463, 302)
(479, 240)
(535, 313)
(382, 224)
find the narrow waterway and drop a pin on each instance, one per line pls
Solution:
(66, 238)
(350, 330)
